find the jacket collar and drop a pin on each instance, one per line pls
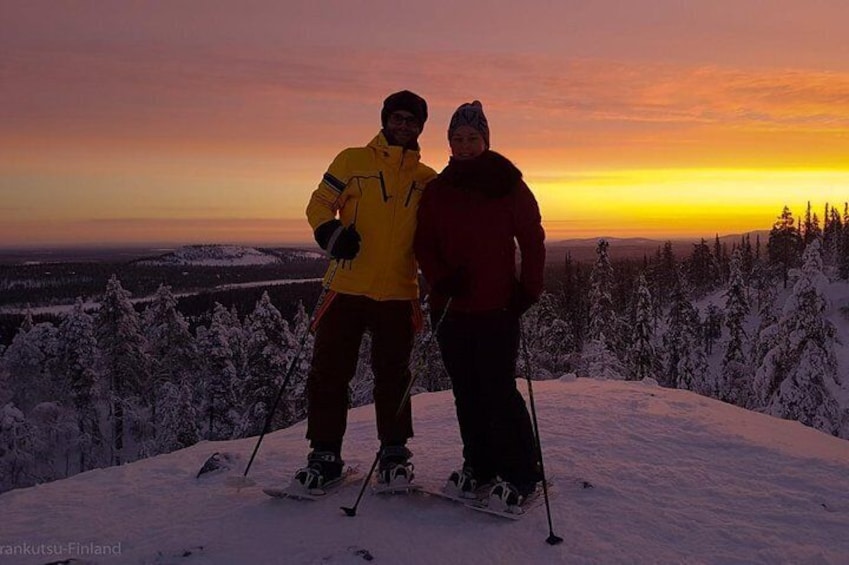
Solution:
(393, 152)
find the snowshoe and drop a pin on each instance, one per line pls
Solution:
(395, 468)
(505, 497)
(461, 484)
(323, 467)
(395, 472)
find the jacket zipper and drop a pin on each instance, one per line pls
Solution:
(383, 187)
(410, 194)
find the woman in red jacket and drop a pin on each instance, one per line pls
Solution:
(469, 221)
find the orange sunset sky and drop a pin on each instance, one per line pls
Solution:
(212, 121)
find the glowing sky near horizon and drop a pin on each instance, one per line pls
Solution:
(187, 121)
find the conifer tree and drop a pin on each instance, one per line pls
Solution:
(77, 355)
(220, 372)
(804, 362)
(28, 361)
(702, 270)
(301, 333)
(426, 365)
(734, 382)
(56, 434)
(17, 449)
(269, 347)
(170, 345)
(764, 350)
(361, 389)
(832, 226)
(125, 365)
(843, 260)
(549, 339)
(604, 323)
(642, 360)
(600, 352)
(662, 276)
(810, 229)
(784, 245)
(684, 364)
(172, 351)
(574, 300)
(177, 417)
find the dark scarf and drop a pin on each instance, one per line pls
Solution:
(490, 173)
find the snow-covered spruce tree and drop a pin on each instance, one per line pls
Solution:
(426, 360)
(765, 351)
(806, 362)
(77, 360)
(303, 339)
(177, 417)
(642, 359)
(785, 244)
(173, 355)
(662, 276)
(734, 383)
(28, 362)
(603, 319)
(843, 253)
(603, 344)
(810, 228)
(56, 434)
(599, 362)
(574, 300)
(219, 366)
(270, 346)
(701, 269)
(17, 449)
(684, 363)
(831, 237)
(550, 340)
(361, 389)
(125, 367)
(170, 345)
(712, 326)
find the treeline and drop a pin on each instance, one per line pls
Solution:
(115, 385)
(747, 325)
(63, 283)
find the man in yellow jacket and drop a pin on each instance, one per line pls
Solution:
(363, 214)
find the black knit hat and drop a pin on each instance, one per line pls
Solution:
(406, 101)
(470, 114)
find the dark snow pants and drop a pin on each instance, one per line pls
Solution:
(479, 351)
(337, 345)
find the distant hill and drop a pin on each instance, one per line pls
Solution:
(229, 256)
(583, 250)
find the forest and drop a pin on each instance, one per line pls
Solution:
(750, 324)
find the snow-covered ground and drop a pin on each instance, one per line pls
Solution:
(678, 478)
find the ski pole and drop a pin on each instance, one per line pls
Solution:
(552, 539)
(423, 352)
(352, 511)
(325, 288)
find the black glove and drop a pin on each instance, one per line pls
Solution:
(520, 301)
(340, 242)
(455, 285)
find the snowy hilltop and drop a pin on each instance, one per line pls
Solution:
(229, 256)
(676, 478)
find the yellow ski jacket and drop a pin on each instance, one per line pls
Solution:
(376, 188)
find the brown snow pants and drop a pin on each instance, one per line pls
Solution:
(337, 345)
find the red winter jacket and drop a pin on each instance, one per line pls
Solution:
(467, 221)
